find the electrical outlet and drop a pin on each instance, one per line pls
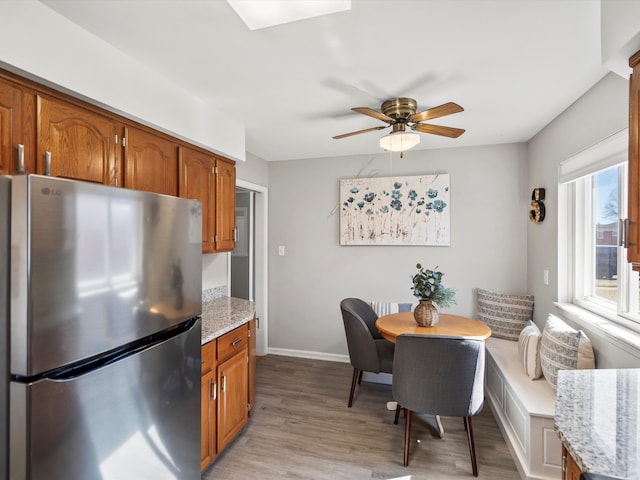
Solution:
(281, 250)
(546, 277)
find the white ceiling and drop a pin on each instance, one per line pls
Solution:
(514, 65)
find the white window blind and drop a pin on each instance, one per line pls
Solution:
(609, 152)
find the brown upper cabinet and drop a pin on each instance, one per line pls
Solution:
(17, 131)
(198, 181)
(50, 133)
(211, 180)
(150, 162)
(76, 143)
(633, 233)
(225, 205)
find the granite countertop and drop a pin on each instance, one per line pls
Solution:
(222, 314)
(597, 418)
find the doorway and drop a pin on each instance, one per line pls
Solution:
(248, 261)
(243, 256)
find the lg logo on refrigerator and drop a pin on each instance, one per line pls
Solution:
(49, 191)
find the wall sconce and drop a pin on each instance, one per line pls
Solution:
(537, 212)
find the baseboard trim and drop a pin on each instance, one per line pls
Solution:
(330, 357)
(383, 378)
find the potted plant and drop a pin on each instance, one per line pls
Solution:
(428, 288)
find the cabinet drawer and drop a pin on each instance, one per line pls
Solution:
(208, 356)
(231, 343)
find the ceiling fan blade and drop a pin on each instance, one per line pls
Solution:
(438, 130)
(359, 132)
(436, 112)
(373, 113)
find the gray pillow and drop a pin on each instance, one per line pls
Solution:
(504, 314)
(563, 348)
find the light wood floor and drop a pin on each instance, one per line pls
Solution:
(301, 428)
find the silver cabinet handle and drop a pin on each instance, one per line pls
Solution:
(236, 342)
(47, 163)
(224, 383)
(20, 158)
(214, 390)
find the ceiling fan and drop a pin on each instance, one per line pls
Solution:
(400, 113)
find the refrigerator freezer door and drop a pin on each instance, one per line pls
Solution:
(96, 267)
(137, 418)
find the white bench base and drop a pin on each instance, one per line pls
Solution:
(524, 410)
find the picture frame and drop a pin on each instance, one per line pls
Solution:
(409, 210)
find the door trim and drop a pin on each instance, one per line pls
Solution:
(261, 270)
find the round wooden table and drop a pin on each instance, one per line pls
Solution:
(390, 326)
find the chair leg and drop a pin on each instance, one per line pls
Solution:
(472, 447)
(360, 377)
(398, 408)
(407, 435)
(353, 386)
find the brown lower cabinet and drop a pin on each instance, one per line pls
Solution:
(570, 469)
(228, 382)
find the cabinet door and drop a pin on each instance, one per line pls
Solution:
(225, 206)
(571, 469)
(75, 143)
(197, 181)
(232, 397)
(16, 152)
(208, 419)
(633, 234)
(151, 162)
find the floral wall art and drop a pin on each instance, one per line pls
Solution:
(395, 210)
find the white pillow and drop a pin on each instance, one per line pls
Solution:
(529, 350)
(563, 348)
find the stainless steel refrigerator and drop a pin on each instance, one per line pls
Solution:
(100, 298)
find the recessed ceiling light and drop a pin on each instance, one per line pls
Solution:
(267, 13)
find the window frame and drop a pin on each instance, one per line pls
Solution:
(575, 202)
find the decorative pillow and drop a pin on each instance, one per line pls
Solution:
(563, 348)
(529, 350)
(504, 314)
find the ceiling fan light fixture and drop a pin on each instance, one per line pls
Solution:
(399, 141)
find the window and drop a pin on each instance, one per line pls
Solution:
(594, 189)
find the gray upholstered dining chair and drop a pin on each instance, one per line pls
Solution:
(368, 351)
(439, 375)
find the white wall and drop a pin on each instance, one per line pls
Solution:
(619, 34)
(38, 42)
(599, 113)
(253, 170)
(489, 209)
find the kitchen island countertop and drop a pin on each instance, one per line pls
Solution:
(223, 314)
(597, 419)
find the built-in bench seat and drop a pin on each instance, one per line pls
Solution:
(524, 410)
